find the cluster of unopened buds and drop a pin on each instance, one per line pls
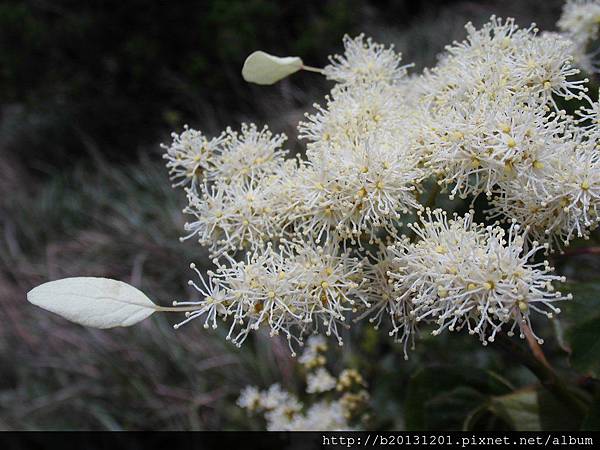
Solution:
(333, 403)
(349, 229)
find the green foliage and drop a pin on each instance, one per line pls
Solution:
(519, 408)
(583, 334)
(440, 398)
(592, 420)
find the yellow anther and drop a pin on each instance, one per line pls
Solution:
(324, 284)
(511, 143)
(538, 165)
(489, 285)
(523, 306)
(471, 286)
(457, 135)
(271, 294)
(585, 185)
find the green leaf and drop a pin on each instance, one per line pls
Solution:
(519, 408)
(585, 344)
(592, 421)
(442, 397)
(554, 414)
(583, 332)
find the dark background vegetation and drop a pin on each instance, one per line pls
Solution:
(88, 90)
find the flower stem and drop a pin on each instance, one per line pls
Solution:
(177, 308)
(312, 69)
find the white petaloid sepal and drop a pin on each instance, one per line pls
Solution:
(262, 68)
(93, 302)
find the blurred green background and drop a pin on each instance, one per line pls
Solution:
(88, 90)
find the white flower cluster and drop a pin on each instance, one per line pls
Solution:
(460, 274)
(333, 405)
(234, 181)
(491, 124)
(580, 21)
(294, 289)
(303, 245)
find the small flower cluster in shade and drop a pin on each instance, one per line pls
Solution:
(315, 243)
(333, 403)
(580, 22)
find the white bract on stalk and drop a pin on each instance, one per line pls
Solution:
(313, 244)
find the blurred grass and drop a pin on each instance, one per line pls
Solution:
(118, 222)
(91, 216)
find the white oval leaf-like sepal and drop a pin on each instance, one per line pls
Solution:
(93, 302)
(262, 68)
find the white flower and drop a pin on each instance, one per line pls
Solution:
(312, 355)
(487, 106)
(248, 153)
(563, 201)
(320, 381)
(250, 398)
(302, 245)
(355, 189)
(295, 289)
(283, 411)
(351, 113)
(322, 416)
(580, 21)
(385, 301)
(365, 61)
(283, 416)
(461, 274)
(190, 156)
(233, 216)
(275, 397)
